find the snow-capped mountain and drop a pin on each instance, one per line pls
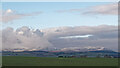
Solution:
(69, 49)
(83, 49)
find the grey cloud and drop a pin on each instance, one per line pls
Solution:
(24, 37)
(78, 30)
(103, 35)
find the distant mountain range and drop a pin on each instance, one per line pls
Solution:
(71, 51)
(68, 49)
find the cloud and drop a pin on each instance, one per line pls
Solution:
(78, 36)
(101, 36)
(10, 15)
(70, 10)
(28, 40)
(108, 9)
(24, 37)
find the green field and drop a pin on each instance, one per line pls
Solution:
(45, 61)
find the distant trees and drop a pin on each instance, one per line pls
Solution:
(60, 56)
(85, 56)
(108, 56)
(66, 56)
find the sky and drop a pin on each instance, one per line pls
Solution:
(56, 14)
(62, 25)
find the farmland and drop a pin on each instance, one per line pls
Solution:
(52, 61)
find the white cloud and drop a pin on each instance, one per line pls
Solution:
(76, 36)
(107, 9)
(12, 39)
(70, 10)
(11, 15)
(9, 11)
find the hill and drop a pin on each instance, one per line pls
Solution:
(100, 53)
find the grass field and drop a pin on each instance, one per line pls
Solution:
(45, 61)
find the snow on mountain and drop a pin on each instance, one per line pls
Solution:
(82, 49)
(69, 49)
